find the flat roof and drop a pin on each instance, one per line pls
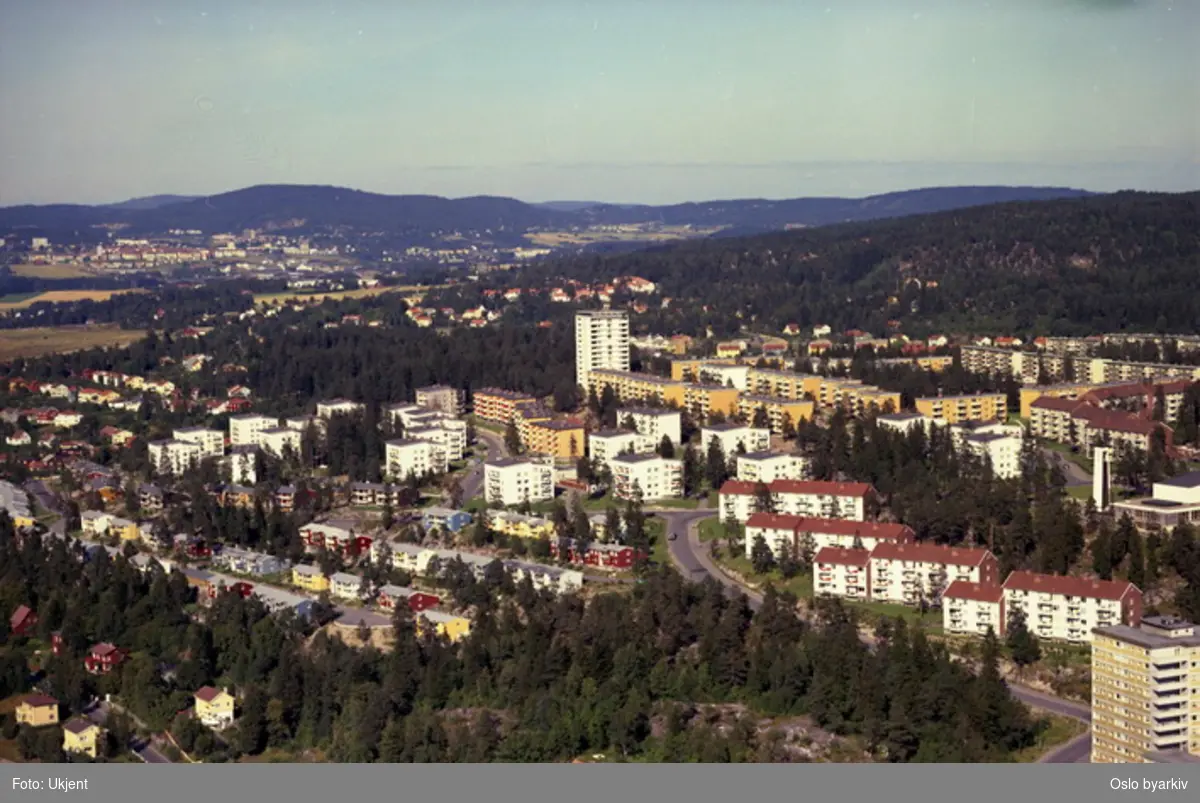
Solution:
(1146, 639)
(1189, 480)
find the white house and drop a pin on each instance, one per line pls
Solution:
(344, 585)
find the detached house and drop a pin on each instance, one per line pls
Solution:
(214, 707)
(82, 737)
(37, 710)
(103, 658)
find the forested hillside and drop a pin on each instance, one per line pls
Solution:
(1130, 260)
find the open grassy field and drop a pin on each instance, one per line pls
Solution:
(266, 299)
(554, 239)
(51, 271)
(62, 296)
(60, 339)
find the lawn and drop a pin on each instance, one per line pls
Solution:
(930, 622)
(710, 530)
(64, 296)
(62, 339)
(1080, 492)
(490, 426)
(1055, 731)
(51, 271)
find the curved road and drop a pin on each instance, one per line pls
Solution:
(692, 559)
(473, 481)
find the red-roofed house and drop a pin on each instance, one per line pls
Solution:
(829, 500)
(22, 621)
(103, 658)
(802, 533)
(971, 608)
(908, 573)
(842, 572)
(1069, 608)
(389, 596)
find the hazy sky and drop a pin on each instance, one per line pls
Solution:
(653, 101)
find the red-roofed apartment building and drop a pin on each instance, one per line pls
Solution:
(809, 498)
(908, 573)
(802, 533)
(839, 572)
(1083, 423)
(1069, 608)
(972, 608)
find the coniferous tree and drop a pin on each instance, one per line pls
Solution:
(1022, 644)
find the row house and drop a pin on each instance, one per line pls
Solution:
(803, 533)
(600, 555)
(327, 536)
(389, 596)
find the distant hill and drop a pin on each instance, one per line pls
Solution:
(310, 209)
(151, 201)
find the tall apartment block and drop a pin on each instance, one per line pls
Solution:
(601, 341)
(1146, 692)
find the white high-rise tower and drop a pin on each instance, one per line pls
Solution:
(601, 341)
(1102, 477)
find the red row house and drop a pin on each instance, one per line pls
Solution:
(335, 539)
(103, 658)
(608, 556)
(389, 596)
(22, 621)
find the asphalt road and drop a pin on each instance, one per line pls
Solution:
(1073, 471)
(692, 559)
(472, 483)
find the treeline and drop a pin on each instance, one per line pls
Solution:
(169, 307)
(1069, 267)
(539, 678)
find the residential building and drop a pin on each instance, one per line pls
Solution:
(22, 621)
(244, 561)
(967, 407)
(1172, 501)
(646, 475)
(973, 609)
(103, 658)
(150, 498)
(442, 398)
(445, 519)
(907, 422)
(82, 737)
(389, 596)
(278, 441)
(907, 573)
(601, 342)
(329, 536)
(210, 441)
(548, 578)
(810, 498)
(779, 411)
(734, 438)
(600, 555)
(510, 481)
(726, 374)
(606, 444)
(414, 458)
(15, 502)
(703, 399)
(653, 423)
(244, 429)
(841, 572)
(453, 628)
(214, 707)
(632, 388)
(344, 585)
(1069, 608)
(328, 409)
(310, 578)
(807, 534)
(174, 456)
(498, 405)
(1001, 450)
(558, 437)
(516, 525)
(769, 466)
(37, 710)
(243, 465)
(98, 523)
(1145, 705)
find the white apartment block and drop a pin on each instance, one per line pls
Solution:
(908, 573)
(809, 498)
(277, 440)
(907, 422)
(440, 397)
(971, 609)
(802, 533)
(343, 585)
(737, 376)
(243, 465)
(1070, 608)
(449, 436)
(731, 436)
(176, 457)
(606, 444)
(301, 423)
(652, 476)
(409, 457)
(512, 480)
(654, 423)
(210, 441)
(244, 429)
(601, 341)
(844, 573)
(770, 466)
(328, 409)
(1001, 451)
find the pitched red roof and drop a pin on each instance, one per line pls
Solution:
(980, 592)
(841, 556)
(207, 693)
(739, 487)
(101, 650)
(930, 553)
(38, 700)
(1116, 420)
(774, 521)
(1057, 404)
(820, 487)
(1070, 586)
(879, 530)
(19, 616)
(78, 725)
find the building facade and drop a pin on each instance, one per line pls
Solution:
(601, 341)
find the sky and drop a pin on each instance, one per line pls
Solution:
(656, 101)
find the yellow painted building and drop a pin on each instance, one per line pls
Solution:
(515, 524)
(1145, 692)
(689, 370)
(309, 578)
(778, 409)
(82, 737)
(770, 382)
(630, 386)
(560, 437)
(969, 407)
(37, 710)
(452, 627)
(1029, 395)
(852, 395)
(708, 399)
(214, 707)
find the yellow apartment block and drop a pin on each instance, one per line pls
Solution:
(629, 386)
(851, 395)
(561, 437)
(780, 384)
(1146, 692)
(526, 414)
(1072, 390)
(519, 526)
(970, 407)
(707, 399)
(689, 370)
(778, 410)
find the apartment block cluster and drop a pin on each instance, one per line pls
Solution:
(1029, 366)
(1108, 414)
(541, 431)
(994, 441)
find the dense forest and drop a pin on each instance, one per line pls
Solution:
(1078, 266)
(540, 678)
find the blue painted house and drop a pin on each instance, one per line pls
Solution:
(444, 518)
